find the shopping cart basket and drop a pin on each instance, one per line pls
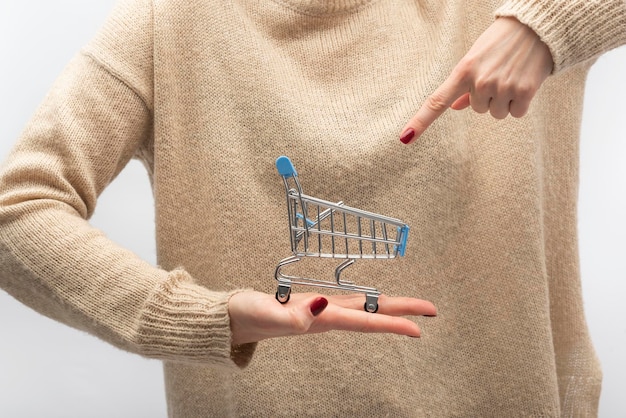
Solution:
(318, 228)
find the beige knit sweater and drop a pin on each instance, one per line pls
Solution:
(207, 94)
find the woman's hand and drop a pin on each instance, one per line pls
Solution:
(501, 74)
(255, 316)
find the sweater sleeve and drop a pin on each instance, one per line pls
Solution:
(89, 126)
(574, 30)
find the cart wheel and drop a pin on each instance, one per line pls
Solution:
(283, 294)
(371, 302)
(370, 307)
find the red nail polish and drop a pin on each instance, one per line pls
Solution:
(407, 136)
(318, 306)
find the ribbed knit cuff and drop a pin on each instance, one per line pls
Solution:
(574, 30)
(183, 321)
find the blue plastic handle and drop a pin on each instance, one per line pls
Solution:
(404, 235)
(285, 167)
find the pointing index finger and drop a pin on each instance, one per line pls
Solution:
(434, 106)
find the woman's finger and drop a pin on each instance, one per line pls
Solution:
(518, 108)
(395, 306)
(480, 100)
(400, 306)
(499, 106)
(339, 318)
(434, 106)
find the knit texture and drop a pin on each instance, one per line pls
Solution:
(575, 31)
(207, 94)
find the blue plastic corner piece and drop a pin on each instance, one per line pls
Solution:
(404, 235)
(285, 167)
(308, 221)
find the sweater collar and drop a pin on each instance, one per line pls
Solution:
(323, 7)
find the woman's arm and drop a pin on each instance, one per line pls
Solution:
(51, 259)
(96, 117)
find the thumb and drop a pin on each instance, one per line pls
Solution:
(318, 305)
(461, 103)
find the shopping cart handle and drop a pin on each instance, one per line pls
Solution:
(285, 167)
(404, 235)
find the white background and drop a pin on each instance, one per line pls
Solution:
(49, 370)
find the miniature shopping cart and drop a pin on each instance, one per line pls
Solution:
(318, 228)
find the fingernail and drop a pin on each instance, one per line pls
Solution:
(318, 306)
(407, 136)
